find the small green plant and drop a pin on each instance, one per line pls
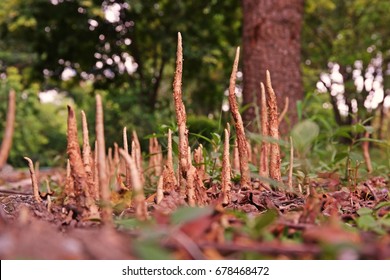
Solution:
(371, 219)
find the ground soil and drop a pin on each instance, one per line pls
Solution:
(320, 222)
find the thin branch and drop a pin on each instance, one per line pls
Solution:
(191, 186)
(105, 193)
(87, 157)
(285, 109)
(236, 157)
(181, 116)
(274, 166)
(69, 185)
(137, 155)
(34, 180)
(49, 204)
(160, 189)
(264, 152)
(240, 133)
(366, 153)
(199, 162)
(96, 172)
(126, 148)
(6, 144)
(78, 173)
(139, 197)
(226, 171)
(290, 170)
(169, 179)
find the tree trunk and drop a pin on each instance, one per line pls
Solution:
(272, 40)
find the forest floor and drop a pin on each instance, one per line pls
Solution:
(327, 220)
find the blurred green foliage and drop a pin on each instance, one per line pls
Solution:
(39, 127)
(43, 38)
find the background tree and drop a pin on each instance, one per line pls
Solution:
(346, 56)
(272, 40)
(123, 50)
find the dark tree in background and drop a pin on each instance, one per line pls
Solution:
(272, 40)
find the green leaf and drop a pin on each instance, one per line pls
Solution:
(150, 250)
(366, 222)
(344, 132)
(358, 128)
(258, 138)
(304, 133)
(128, 223)
(340, 156)
(262, 221)
(385, 222)
(371, 140)
(187, 214)
(202, 137)
(369, 129)
(382, 204)
(216, 138)
(364, 211)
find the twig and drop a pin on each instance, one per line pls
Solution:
(196, 192)
(96, 172)
(69, 185)
(34, 181)
(48, 196)
(199, 161)
(137, 155)
(155, 159)
(160, 189)
(169, 154)
(240, 133)
(190, 245)
(276, 249)
(105, 194)
(82, 185)
(126, 148)
(169, 179)
(139, 197)
(290, 171)
(87, 157)
(15, 192)
(6, 144)
(236, 157)
(226, 171)
(274, 166)
(366, 153)
(181, 116)
(285, 109)
(264, 157)
(372, 191)
(191, 186)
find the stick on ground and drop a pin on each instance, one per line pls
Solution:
(105, 194)
(240, 133)
(264, 152)
(290, 170)
(274, 165)
(366, 153)
(181, 116)
(226, 171)
(34, 180)
(139, 196)
(126, 148)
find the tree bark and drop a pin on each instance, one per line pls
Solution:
(272, 41)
